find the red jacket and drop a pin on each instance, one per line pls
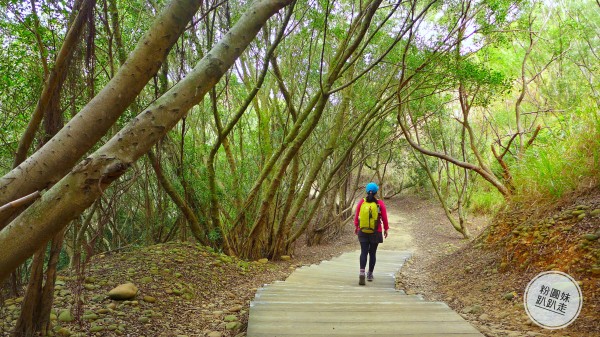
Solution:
(383, 219)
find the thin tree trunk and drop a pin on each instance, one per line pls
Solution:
(80, 236)
(459, 227)
(54, 80)
(27, 322)
(116, 31)
(189, 214)
(47, 298)
(224, 132)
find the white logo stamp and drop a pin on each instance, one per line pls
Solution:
(553, 300)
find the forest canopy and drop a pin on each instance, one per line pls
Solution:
(249, 126)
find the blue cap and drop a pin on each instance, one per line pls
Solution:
(372, 187)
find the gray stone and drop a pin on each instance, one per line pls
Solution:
(235, 308)
(474, 309)
(123, 292)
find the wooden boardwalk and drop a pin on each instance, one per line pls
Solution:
(326, 300)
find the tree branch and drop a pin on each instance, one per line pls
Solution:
(483, 173)
(21, 201)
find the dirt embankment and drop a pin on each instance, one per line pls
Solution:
(484, 279)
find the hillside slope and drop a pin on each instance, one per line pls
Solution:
(484, 279)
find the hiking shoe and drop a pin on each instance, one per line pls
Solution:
(369, 277)
(361, 280)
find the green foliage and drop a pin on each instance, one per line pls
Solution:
(487, 66)
(551, 171)
(485, 200)
(488, 83)
(214, 235)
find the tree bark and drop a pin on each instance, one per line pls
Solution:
(315, 168)
(26, 323)
(345, 51)
(86, 182)
(79, 236)
(458, 226)
(50, 163)
(361, 130)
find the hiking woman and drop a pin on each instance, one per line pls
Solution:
(370, 214)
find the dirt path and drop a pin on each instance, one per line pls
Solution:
(420, 226)
(399, 238)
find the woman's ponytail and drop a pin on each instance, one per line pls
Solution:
(371, 197)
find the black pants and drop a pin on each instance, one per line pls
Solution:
(368, 245)
(371, 249)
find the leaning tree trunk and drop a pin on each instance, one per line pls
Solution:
(50, 163)
(224, 133)
(55, 78)
(87, 181)
(458, 226)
